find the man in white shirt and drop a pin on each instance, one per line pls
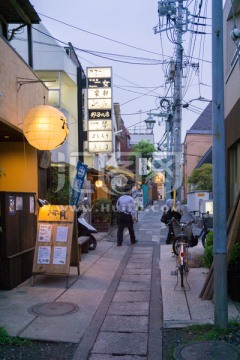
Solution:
(126, 217)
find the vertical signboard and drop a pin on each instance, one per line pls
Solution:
(142, 166)
(99, 90)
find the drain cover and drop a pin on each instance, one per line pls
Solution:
(53, 309)
(206, 350)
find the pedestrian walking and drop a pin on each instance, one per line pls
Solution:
(127, 215)
(172, 211)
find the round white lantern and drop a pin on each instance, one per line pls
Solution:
(45, 127)
(98, 183)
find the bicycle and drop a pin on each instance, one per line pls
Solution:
(182, 267)
(182, 233)
(183, 239)
(207, 224)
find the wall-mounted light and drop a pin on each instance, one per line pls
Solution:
(98, 183)
(45, 127)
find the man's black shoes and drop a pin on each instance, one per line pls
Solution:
(134, 242)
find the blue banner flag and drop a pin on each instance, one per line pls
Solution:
(78, 183)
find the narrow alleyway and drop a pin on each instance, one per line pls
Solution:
(128, 321)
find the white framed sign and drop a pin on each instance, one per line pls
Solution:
(99, 90)
(99, 125)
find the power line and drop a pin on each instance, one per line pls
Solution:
(101, 36)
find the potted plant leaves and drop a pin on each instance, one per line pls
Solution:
(102, 214)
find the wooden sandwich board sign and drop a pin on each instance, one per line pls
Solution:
(57, 241)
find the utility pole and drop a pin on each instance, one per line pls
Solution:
(169, 9)
(219, 171)
(177, 104)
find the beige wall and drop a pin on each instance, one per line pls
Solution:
(18, 159)
(231, 67)
(195, 146)
(19, 163)
(16, 100)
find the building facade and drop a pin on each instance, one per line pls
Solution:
(231, 21)
(197, 142)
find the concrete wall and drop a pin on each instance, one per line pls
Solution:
(16, 100)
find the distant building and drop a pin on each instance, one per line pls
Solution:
(138, 136)
(198, 141)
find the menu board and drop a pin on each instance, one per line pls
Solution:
(56, 242)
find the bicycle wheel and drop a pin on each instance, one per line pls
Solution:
(92, 243)
(181, 271)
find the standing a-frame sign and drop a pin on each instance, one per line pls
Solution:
(57, 242)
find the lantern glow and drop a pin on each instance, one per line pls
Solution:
(98, 183)
(45, 127)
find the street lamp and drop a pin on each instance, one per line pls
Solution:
(150, 122)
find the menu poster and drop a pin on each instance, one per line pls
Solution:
(44, 253)
(19, 203)
(59, 255)
(62, 233)
(31, 205)
(11, 203)
(45, 232)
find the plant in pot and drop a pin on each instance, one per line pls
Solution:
(102, 214)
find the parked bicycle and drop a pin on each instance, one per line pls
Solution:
(207, 224)
(182, 233)
(183, 239)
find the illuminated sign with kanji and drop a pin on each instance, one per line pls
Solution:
(99, 102)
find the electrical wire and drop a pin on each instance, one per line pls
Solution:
(101, 36)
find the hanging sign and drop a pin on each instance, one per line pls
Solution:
(99, 90)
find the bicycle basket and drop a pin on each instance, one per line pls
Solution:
(208, 221)
(182, 229)
(176, 229)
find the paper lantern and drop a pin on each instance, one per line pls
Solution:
(45, 127)
(98, 183)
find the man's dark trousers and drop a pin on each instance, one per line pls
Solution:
(121, 226)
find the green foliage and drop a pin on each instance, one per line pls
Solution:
(234, 262)
(208, 250)
(145, 148)
(207, 332)
(59, 188)
(102, 210)
(201, 178)
(5, 339)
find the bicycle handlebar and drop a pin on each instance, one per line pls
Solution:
(173, 220)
